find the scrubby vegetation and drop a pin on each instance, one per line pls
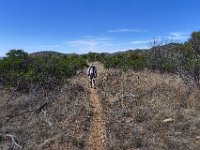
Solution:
(146, 110)
(21, 70)
(46, 120)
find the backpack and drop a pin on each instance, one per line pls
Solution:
(92, 71)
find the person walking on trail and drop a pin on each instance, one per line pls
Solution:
(92, 73)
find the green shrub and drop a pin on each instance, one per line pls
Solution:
(19, 69)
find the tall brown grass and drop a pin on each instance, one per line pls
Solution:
(148, 110)
(65, 125)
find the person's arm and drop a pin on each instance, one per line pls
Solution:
(95, 73)
(88, 71)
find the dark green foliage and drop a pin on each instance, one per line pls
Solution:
(14, 67)
(126, 60)
(195, 42)
(92, 57)
(68, 65)
(137, 61)
(21, 70)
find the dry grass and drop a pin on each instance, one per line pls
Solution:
(66, 123)
(142, 110)
(136, 104)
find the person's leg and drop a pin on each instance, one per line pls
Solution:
(90, 80)
(94, 84)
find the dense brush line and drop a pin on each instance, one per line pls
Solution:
(21, 70)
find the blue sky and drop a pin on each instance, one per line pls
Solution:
(80, 26)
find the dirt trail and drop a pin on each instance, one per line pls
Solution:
(97, 135)
(96, 139)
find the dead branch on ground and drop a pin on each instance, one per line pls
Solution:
(14, 145)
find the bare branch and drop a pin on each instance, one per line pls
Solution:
(46, 118)
(14, 145)
(38, 110)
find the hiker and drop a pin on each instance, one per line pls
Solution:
(92, 73)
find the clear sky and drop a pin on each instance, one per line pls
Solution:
(79, 26)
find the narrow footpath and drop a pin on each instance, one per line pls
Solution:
(97, 135)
